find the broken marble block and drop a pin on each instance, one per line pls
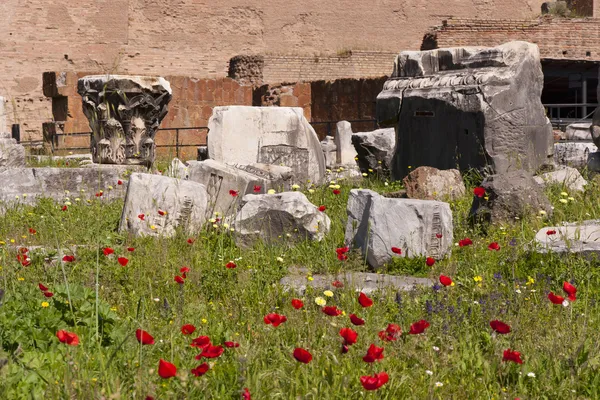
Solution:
(375, 149)
(428, 183)
(157, 205)
(177, 169)
(244, 135)
(573, 154)
(227, 184)
(568, 177)
(579, 131)
(329, 151)
(283, 217)
(420, 228)
(580, 237)
(346, 153)
(12, 154)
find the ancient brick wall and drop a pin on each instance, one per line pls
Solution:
(196, 39)
(557, 38)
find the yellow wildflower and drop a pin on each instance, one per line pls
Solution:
(271, 191)
(320, 301)
(530, 281)
(478, 278)
(45, 304)
(328, 293)
(21, 279)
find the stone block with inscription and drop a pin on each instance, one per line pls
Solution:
(471, 107)
(420, 228)
(282, 136)
(158, 205)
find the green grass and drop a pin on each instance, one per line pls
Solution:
(105, 303)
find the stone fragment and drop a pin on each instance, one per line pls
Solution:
(365, 282)
(573, 154)
(511, 195)
(420, 228)
(12, 154)
(124, 113)
(3, 128)
(579, 131)
(158, 205)
(269, 135)
(27, 185)
(177, 169)
(329, 151)
(375, 149)
(283, 217)
(428, 183)
(202, 153)
(470, 107)
(346, 153)
(569, 177)
(580, 237)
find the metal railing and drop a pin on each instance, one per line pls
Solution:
(330, 125)
(561, 115)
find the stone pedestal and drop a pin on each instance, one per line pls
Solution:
(124, 113)
(346, 153)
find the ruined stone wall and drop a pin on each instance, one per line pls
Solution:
(557, 38)
(196, 39)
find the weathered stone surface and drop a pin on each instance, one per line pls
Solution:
(270, 135)
(375, 149)
(3, 127)
(581, 237)
(12, 154)
(376, 224)
(579, 131)
(428, 183)
(124, 113)
(511, 195)
(177, 169)
(346, 153)
(26, 185)
(569, 177)
(183, 205)
(276, 177)
(329, 151)
(285, 217)
(360, 281)
(469, 106)
(573, 154)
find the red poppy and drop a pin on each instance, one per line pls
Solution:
(570, 290)
(445, 280)
(32, 231)
(438, 235)
(107, 251)
(231, 344)
(418, 327)
(64, 208)
(48, 294)
(345, 349)
(429, 261)
(500, 327)
(257, 188)
(322, 208)
(68, 258)
(555, 299)
(200, 369)
(119, 182)
(302, 355)
(550, 232)
(69, 338)
(342, 256)
(331, 311)
(514, 356)
(341, 253)
(99, 194)
(184, 271)
(274, 319)
(143, 337)
(234, 193)
(337, 284)
(374, 382)
(336, 191)
(201, 342)
(297, 304)
(131, 249)
(161, 212)
(179, 279)
(188, 329)
(23, 250)
(494, 246)
(465, 242)
(24, 259)
(364, 300)
(246, 394)
(141, 216)
(391, 333)
(374, 353)
(356, 321)
(42, 287)
(190, 241)
(349, 336)
(479, 191)
(123, 261)
(230, 265)
(210, 351)
(396, 250)
(166, 370)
